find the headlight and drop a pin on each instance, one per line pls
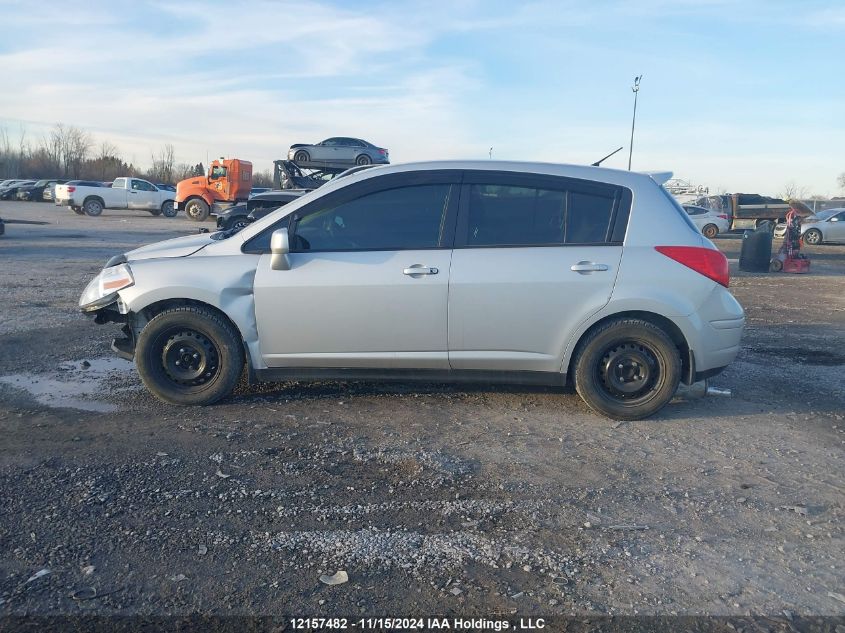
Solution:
(102, 290)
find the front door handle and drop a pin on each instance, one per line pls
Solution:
(586, 267)
(418, 269)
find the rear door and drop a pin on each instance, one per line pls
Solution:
(534, 256)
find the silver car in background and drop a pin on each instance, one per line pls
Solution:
(526, 273)
(339, 150)
(822, 226)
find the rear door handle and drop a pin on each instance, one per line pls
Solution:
(418, 269)
(586, 267)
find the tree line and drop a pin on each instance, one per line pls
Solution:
(72, 153)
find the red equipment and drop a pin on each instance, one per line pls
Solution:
(789, 258)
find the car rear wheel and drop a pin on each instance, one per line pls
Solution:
(627, 369)
(168, 209)
(301, 157)
(93, 207)
(197, 210)
(189, 356)
(710, 231)
(813, 236)
(363, 159)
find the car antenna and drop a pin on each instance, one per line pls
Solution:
(601, 160)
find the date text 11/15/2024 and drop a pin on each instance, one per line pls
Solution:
(420, 624)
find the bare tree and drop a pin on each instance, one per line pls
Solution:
(162, 169)
(841, 180)
(791, 191)
(6, 163)
(262, 178)
(78, 147)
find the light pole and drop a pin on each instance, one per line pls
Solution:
(636, 89)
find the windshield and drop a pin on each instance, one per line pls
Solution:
(824, 215)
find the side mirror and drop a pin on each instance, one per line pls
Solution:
(279, 249)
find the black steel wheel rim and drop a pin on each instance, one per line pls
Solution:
(189, 358)
(629, 371)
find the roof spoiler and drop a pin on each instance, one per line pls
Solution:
(659, 177)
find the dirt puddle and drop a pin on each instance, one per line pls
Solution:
(83, 385)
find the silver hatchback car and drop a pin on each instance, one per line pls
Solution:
(525, 273)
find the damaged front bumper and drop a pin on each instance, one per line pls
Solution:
(123, 346)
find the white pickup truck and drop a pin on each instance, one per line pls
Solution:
(124, 193)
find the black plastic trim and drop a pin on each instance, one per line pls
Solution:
(281, 374)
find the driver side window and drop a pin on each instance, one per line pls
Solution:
(393, 219)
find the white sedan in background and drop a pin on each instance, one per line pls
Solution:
(709, 222)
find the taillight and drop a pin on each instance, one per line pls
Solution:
(723, 216)
(382, 151)
(71, 189)
(705, 261)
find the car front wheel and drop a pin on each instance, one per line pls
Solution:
(813, 236)
(189, 356)
(627, 369)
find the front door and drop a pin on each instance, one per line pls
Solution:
(835, 229)
(533, 258)
(368, 281)
(141, 195)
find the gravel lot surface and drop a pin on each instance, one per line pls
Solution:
(434, 499)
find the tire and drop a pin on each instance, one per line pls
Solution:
(155, 212)
(710, 231)
(617, 355)
(189, 356)
(77, 210)
(168, 209)
(93, 207)
(197, 209)
(238, 222)
(813, 236)
(301, 157)
(363, 159)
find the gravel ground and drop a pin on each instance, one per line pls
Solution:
(433, 498)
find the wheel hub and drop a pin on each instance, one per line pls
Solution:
(628, 370)
(189, 358)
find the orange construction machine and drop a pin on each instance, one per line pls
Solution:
(229, 181)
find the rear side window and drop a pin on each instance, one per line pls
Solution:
(392, 219)
(501, 215)
(119, 183)
(680, 210)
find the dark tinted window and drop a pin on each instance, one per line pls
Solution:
(394, 219)
(141, 185)
(501, 215)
